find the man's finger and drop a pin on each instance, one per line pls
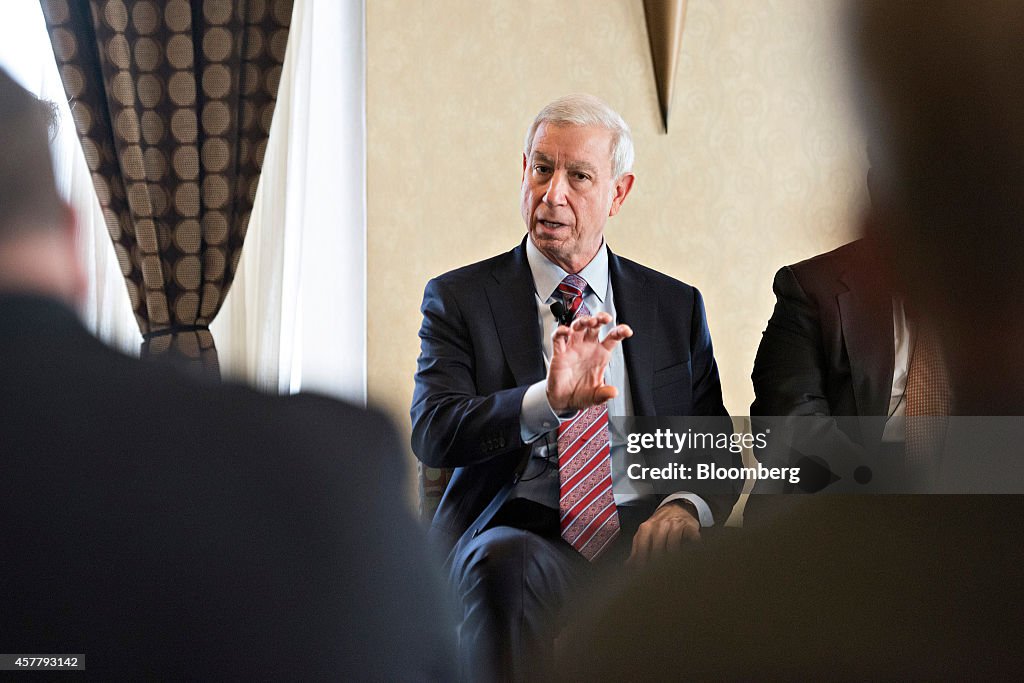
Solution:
(641, 546)
(658, 540)
(605, 392)
(618, 333)
(559, 339)
(668, 536)
(675, 540)
(581, 323)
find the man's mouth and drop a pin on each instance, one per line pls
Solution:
(552, 225)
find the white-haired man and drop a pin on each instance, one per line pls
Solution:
(519, 403)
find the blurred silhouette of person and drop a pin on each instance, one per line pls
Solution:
(950, 124)
(881, 586)
(168, 529)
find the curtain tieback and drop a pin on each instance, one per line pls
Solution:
(175, 329)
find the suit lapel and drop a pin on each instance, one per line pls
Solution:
(866, 314)
(510, 294)
(635, 307)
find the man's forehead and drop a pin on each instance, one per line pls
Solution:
(569, 144)
(565, 158)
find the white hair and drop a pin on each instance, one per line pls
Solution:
(587, 110)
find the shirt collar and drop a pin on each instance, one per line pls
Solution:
(547, 275)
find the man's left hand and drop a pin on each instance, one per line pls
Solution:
(668, 528)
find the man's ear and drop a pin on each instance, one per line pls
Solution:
(521, 179)
(622, 187)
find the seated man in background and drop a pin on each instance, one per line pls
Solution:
(167, 529)
(904, 587)
(840, 346)
(517, 398)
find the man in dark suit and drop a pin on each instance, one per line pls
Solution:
(828, 357)
(828, 348)
(503, 392)
(164, 528)
(837, 356)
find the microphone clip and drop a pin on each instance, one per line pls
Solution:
(562, 314)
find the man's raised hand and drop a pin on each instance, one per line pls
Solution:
(578, 361)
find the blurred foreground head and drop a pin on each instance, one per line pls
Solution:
(37, 246)
(939, 83)
(28, 196)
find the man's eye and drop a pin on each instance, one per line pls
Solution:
(581, 176)
(541, 169)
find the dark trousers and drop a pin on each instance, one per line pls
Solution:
(515, 580)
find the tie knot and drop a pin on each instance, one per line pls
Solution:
(571, 289)
(573, 285)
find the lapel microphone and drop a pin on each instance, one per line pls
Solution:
(561, 313)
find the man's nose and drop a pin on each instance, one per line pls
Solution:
(554, 195)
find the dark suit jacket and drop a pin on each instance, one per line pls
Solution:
(168, 529)
(480, 349)
(828, 351)
(828, 348)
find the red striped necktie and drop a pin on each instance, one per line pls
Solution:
(586, 504)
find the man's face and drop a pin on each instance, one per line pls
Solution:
(569, 192)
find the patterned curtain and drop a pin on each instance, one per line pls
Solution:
(173, 102)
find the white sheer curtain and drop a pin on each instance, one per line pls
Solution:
(26, 54)
(296, 314)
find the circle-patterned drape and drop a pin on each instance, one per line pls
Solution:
(173, 102)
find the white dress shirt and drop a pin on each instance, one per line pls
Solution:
(903, 341)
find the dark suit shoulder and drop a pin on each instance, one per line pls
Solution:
(231, 399)
(331, 412)
(475, 271)
(238, 423)
(830, 265)
(331, 434)
(346, 434)
(653, 277)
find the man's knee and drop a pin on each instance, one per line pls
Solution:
(511, 568)
(493, 561)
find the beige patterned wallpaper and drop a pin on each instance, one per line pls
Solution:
(762, 165)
